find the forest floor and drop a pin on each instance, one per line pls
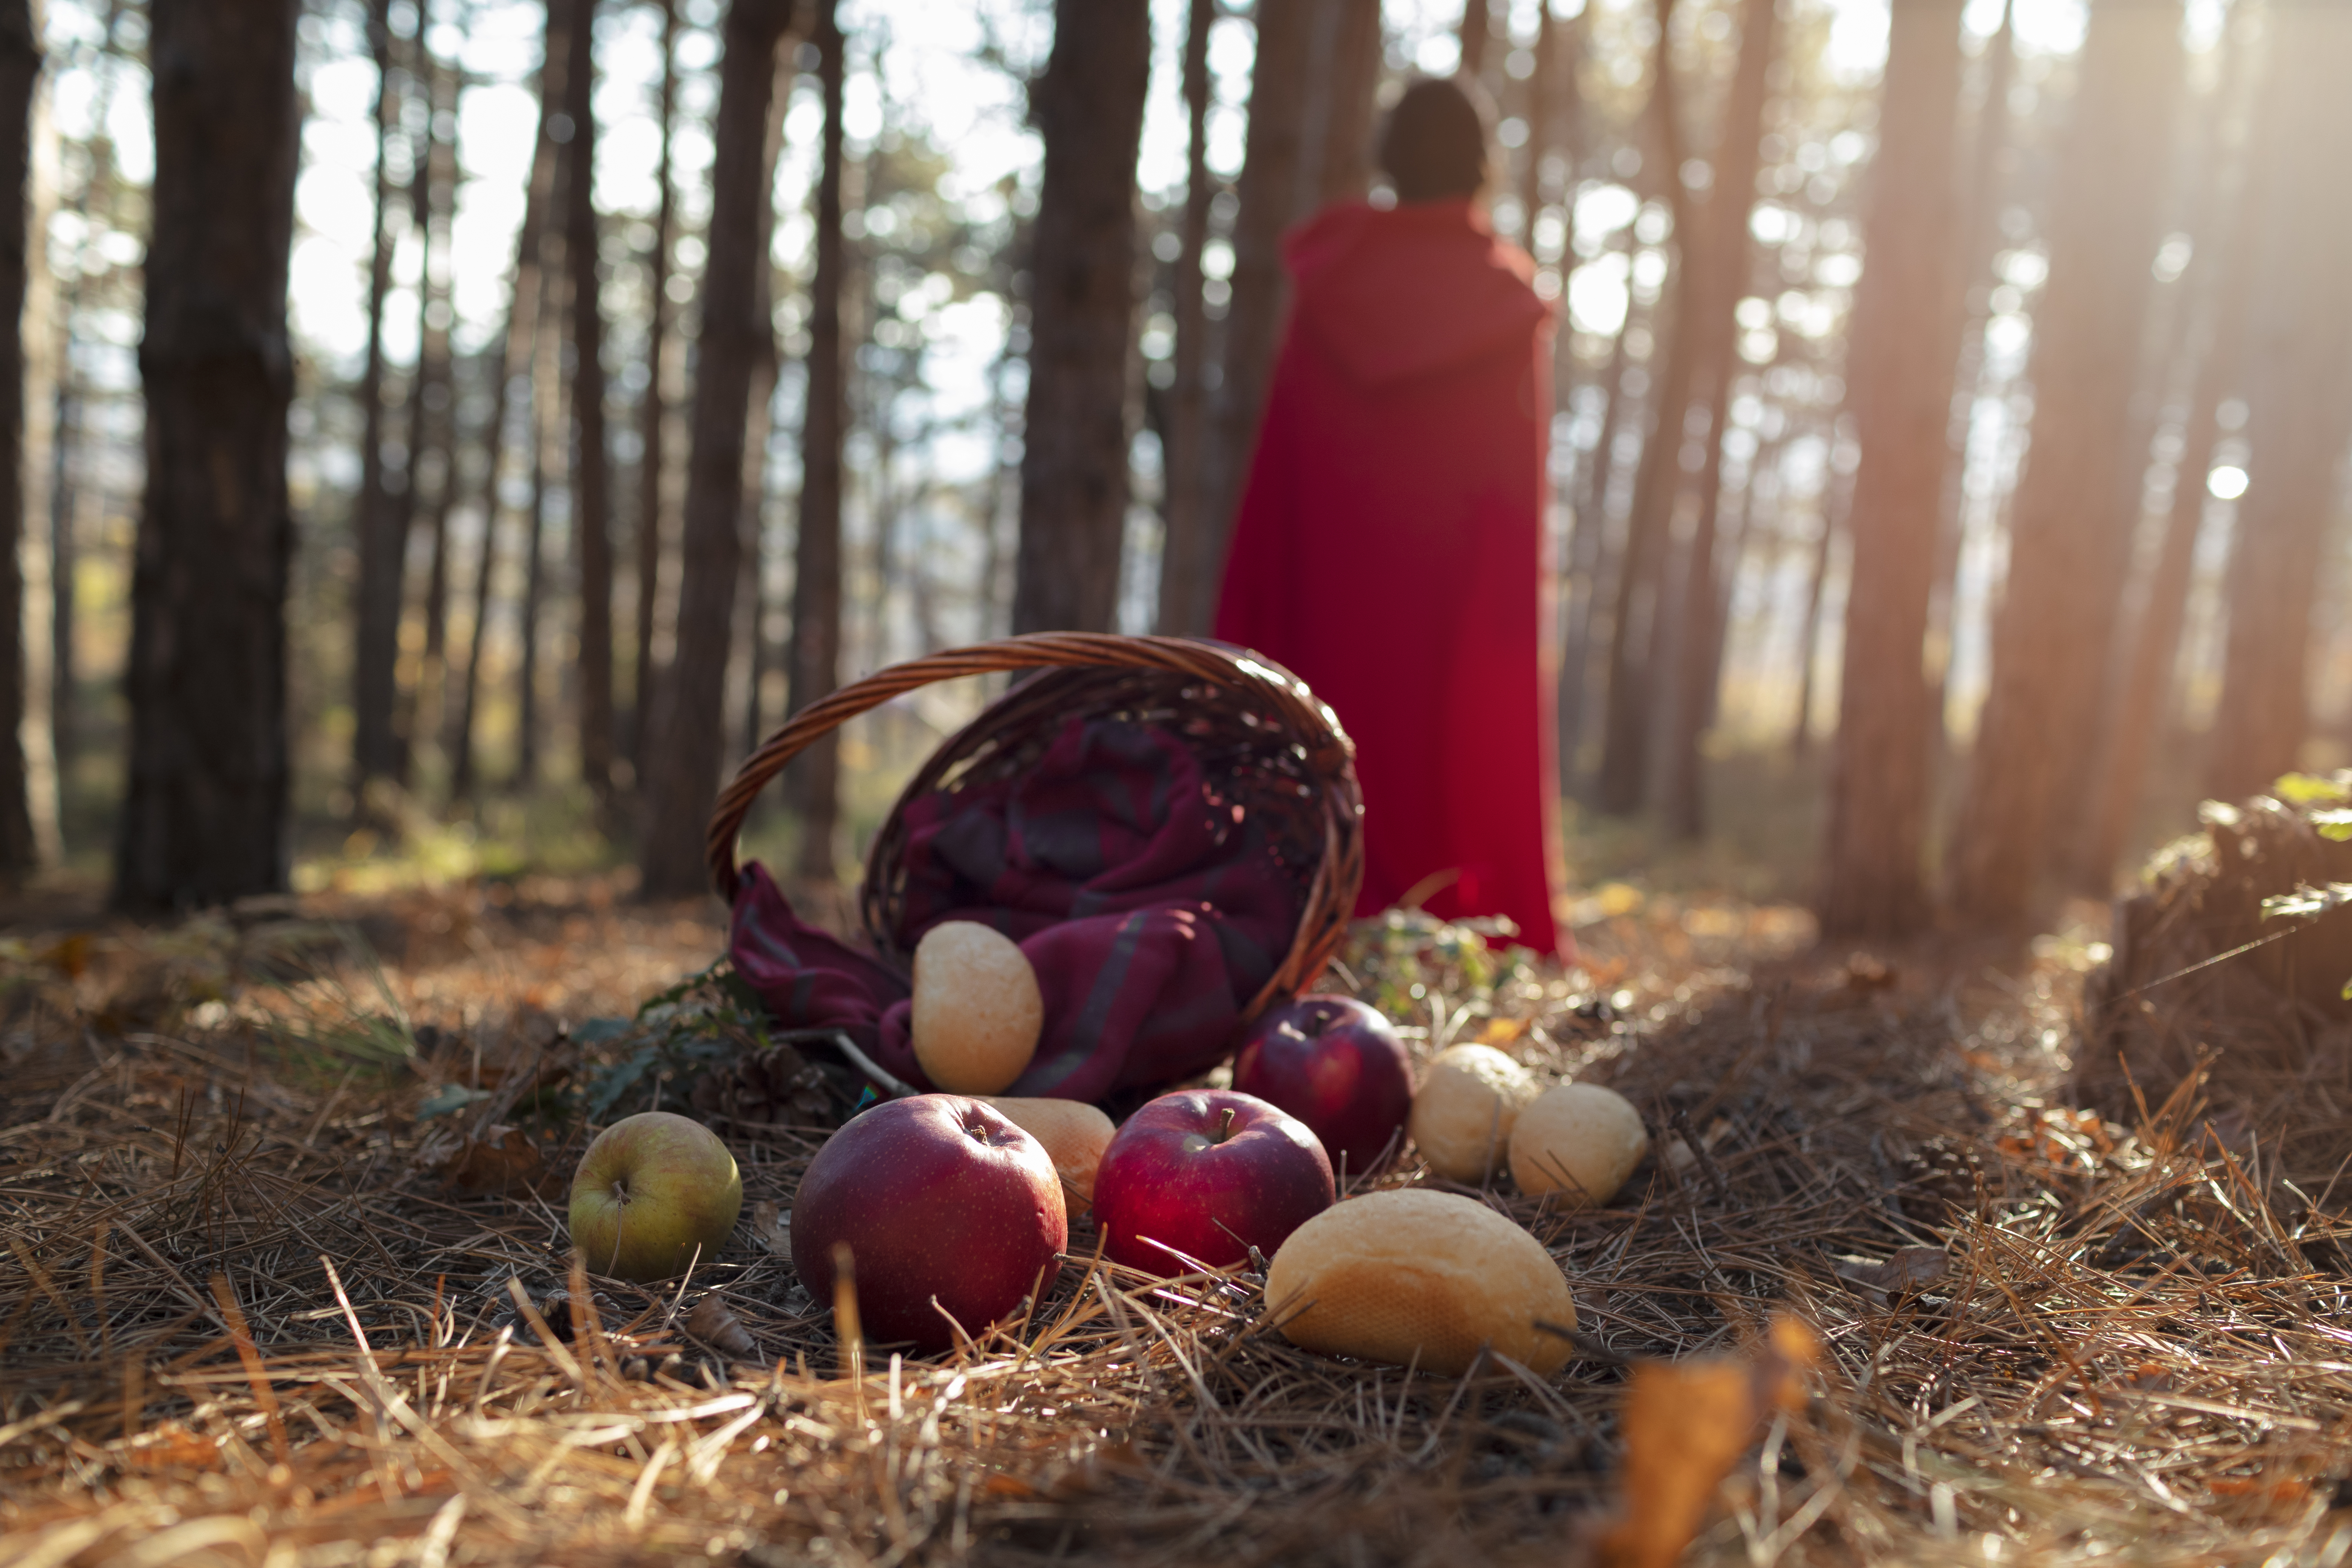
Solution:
(287, 1283)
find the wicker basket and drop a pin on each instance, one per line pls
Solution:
(1260, 735)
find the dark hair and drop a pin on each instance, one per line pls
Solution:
(1433, 146)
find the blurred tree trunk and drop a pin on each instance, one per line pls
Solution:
(1589, 552)
(1537, 111)
(376, 630)
(653, 412)
(2298, 392)
(1908, 313)
(591, 460)
(1074, 466)
(682, 775)
(759, 428)
(204, 814)
(516, 353)
(20, 74)
(1267, 204)
(1990, 153)
(1809, 639)
(1729, 247)
(1335, 161)
(2233, 209)
(1187, 592)
(96, 203)
(815, 656)
(1477, 26)
(434, 685)
(550, 417)
(431, 403)
(2069, 534)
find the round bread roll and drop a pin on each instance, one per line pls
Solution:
(1578, 1140)
(1420, 1278)
(977, 1012)
(1074, 1133)
(1463, 1111)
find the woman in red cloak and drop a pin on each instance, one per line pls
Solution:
(1390, 545)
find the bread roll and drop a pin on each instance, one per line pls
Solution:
(977, 1009)
(1579, 1141)
(1465, 1109)
(1074, 1133)
(1420, 1278)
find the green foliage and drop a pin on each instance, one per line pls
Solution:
(704, 1021)
(1409, 961)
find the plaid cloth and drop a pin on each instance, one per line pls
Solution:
(1151, 909)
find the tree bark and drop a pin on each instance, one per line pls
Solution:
(550, 417)
(1477, 26)
(375, 620)
(1344, 77)
(20, 73)
(515, 354)
(1729, 249)
(1073, 465)
(1908, 317)
(203, 817)
(816, 572)
(431, 401)
(1187, 594)
(2298, 392)
(1589, 552)
(682, 775)
(592, 461)
(653, 413)
(2070, 529)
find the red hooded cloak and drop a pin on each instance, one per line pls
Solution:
(1390, 546)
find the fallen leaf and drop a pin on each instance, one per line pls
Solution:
(171, 1446)
(1911, 1269)
(771, 1227)
(1686, 1424)
(504, 1160)
(68, 956)
(1502, 1031)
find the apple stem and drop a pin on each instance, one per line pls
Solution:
(1225, 1125)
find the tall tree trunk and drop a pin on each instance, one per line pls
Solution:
(592, 461)
(1809, 639)
(1908, 319)
(682, 775)
(816, 570)
(548, 419)
(653, 413)
(20, 74)
(2233, 210)
(1267, 194)
(1335, 161)
(1537, 115)
(1074, 468)
(375, 621)
(429, 381)
(203, 818)
(515, 354)
(430, 698)
(1588, 550)
(1635, 625)
(1185, 579)
(759, 429)
(2298, 392)
(1477, 26)
(1728, 245)
(97, 204)
(2070, 532)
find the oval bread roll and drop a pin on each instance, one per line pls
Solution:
(977, 1009)
(1578, 1140)
(1465, 1109)
(1074, 1133)
(1420, 1278)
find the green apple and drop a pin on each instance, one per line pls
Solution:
(651, 1192)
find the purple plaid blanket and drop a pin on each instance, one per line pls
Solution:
(1151, 910)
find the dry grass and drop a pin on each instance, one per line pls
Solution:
(246, 1322)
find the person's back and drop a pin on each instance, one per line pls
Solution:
(1389, 545)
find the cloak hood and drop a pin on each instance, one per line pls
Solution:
(1394, 293)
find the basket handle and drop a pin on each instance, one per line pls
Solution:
(1214, 661)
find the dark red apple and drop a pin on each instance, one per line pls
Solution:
(1336, 1065)
(940, 1199)
(1207, 1175)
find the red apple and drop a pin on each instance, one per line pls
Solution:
(1207, 1173)
(1336, 1065)
(946, 1206)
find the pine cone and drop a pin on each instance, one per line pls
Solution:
(773, 1088)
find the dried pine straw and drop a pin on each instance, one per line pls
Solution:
(245, 1323)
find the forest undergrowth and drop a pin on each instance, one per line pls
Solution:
(287, 1280)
